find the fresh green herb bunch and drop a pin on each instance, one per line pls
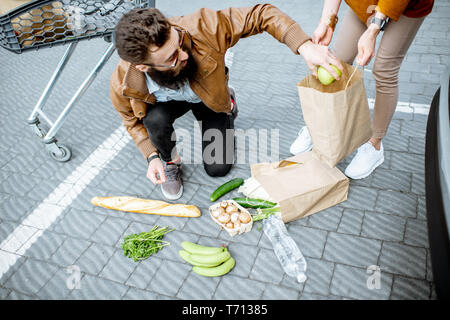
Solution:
(143, 245)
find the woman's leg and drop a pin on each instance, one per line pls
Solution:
(346, 43)
(394, 44)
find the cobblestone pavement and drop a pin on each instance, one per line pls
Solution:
(49, 231)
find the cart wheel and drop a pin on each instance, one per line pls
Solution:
(107, 38)
(66, 154)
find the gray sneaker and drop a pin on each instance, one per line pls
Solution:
(172, 189)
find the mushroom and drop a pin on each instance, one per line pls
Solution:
(244, 217)
(224, 218)
(217, 211)
(224, 204)
(234, 217)
(231, 208)
(230, 225)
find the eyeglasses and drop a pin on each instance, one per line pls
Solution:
(181, 45)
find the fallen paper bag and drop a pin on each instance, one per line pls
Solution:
(302, 185)
(337, 115)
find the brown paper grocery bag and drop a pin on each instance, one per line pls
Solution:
(337, 115)
(302, 185)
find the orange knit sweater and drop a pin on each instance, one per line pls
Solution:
(392, 8)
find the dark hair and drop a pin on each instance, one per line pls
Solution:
(137, 30)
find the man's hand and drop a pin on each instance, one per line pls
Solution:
(323, 34)
(155, 168)
(366, 45)
(317, 55)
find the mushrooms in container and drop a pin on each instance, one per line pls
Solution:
(231, 216)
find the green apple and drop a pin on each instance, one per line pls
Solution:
(325, 77)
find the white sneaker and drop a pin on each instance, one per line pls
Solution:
(365, 161)
(303, 143)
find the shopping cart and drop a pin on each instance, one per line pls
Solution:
(47, 23)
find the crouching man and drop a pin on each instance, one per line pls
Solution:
(171, 66)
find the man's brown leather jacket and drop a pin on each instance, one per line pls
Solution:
(212, 33)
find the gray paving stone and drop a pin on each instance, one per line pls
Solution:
(94, 259)
(169, 277)
(138, 294)
(175, 238)
(403, 260)
(56, 288)
(110, 231)
(4, 292)
(197, 287)
(421, 208)
(237, 288)
(393, 142)
(144, 272)
(118, 268)
(327, 219)
(15, 295)
(351, 282)
(95, 288)
(45, 246)
(203, 225)
(69, 251)
(416, 145)
(245, 256)
(31, 276)
(351, 250)
(414, 128)
(273, 292)
(360, 198)
(78, 223)
(392, 180)
(383, 227)
(319, 273)
(408, 162)
(310, 241)
(351, 222)
(15, 208)
(410, 289)
(416, 233)
(267, 267)
(418, 184)
(18, 184)
(397, 203)
(313, 296)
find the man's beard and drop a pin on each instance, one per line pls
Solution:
(167, 78)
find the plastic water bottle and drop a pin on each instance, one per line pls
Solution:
(285, 248)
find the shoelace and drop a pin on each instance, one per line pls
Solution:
(172, 171)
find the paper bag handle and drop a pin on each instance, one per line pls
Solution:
(285, 163)
(351, 76)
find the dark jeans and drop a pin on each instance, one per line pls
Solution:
(217, 144)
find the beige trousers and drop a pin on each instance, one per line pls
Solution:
(395, 42)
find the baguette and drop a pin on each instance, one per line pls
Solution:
(131, 204)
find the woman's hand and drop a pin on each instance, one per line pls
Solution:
(323, 34)
(155, 168)
(366, 45)
(317, 55)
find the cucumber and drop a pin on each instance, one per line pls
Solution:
(194, 248)
(225, 188)
(214, 259)
(186, 256)
(254, 203)
(218, 271)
